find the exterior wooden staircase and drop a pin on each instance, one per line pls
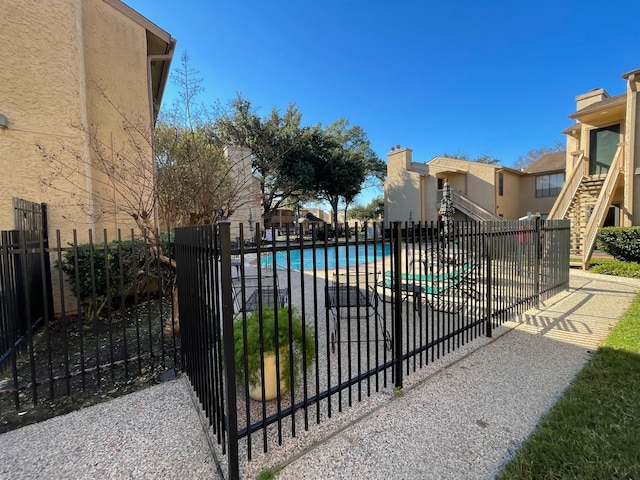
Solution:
(580, 210)
(472, 209)
(585, 200)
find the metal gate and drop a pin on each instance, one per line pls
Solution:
(25, 275)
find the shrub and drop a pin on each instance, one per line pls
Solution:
(615, 267)
(301, 342)
(623, 243)
(125, 264)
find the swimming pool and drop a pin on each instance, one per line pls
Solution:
(346, 256)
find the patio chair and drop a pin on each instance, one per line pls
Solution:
(250, 292)
(447, 291)
(354, 297)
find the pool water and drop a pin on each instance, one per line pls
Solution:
(346, 256)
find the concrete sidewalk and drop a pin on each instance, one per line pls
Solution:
(462, 417)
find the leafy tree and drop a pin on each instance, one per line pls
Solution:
(196, 181)
(533, 155)
(357, 150)
(301, 164)
(340, 172)
(373, 210)
(354, 139)
(484, 158)
(278, 144)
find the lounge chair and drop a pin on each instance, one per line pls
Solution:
(354, 297)
(250, 292)
(439, 290)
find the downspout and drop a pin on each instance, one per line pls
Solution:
(496, 188)
(166, 57)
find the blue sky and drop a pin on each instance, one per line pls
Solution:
(478, 77)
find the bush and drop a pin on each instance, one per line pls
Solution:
(623, 243)
(261, 335)
(125, 264)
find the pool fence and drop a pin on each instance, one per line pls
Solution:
(344, 319)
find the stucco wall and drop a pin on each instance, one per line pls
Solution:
(472, 179)
(402, 188)
(40, 93)
(509, 205)
(529, 201)
(407, 180)
(248, 188)
(115, 64)
(61, 52)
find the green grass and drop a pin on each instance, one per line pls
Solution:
(610, 266)
(268, 474)
(593, 432)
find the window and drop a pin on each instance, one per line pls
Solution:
(501, 184)
(603, 145)
(549, 185)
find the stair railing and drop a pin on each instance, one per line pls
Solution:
(568, 192)
(596, 220)
(472, 209)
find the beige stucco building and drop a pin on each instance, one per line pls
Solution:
(76, 75)
(480, 191)
(595, 182)
(602, 165)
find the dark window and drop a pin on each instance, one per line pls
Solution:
(603, 145)
(549, 185)
(501, 184)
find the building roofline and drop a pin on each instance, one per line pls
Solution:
(626, 75)
(576, 127)
(496, 167)
(601, 105)
(141, 20)
(160, 49)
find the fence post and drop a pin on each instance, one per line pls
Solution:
(489, 249)
(47, 258)
(538, 270)
(229, 348)
(397, 296)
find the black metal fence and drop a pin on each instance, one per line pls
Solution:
(25, 280)
(107, 324)
(343, 319)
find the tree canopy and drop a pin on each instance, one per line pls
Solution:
(484, 158)
(295, 163)
(196, 183)
(533, 155)
(371, 211)
(279, 150)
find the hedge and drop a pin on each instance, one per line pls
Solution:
(623, 243)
